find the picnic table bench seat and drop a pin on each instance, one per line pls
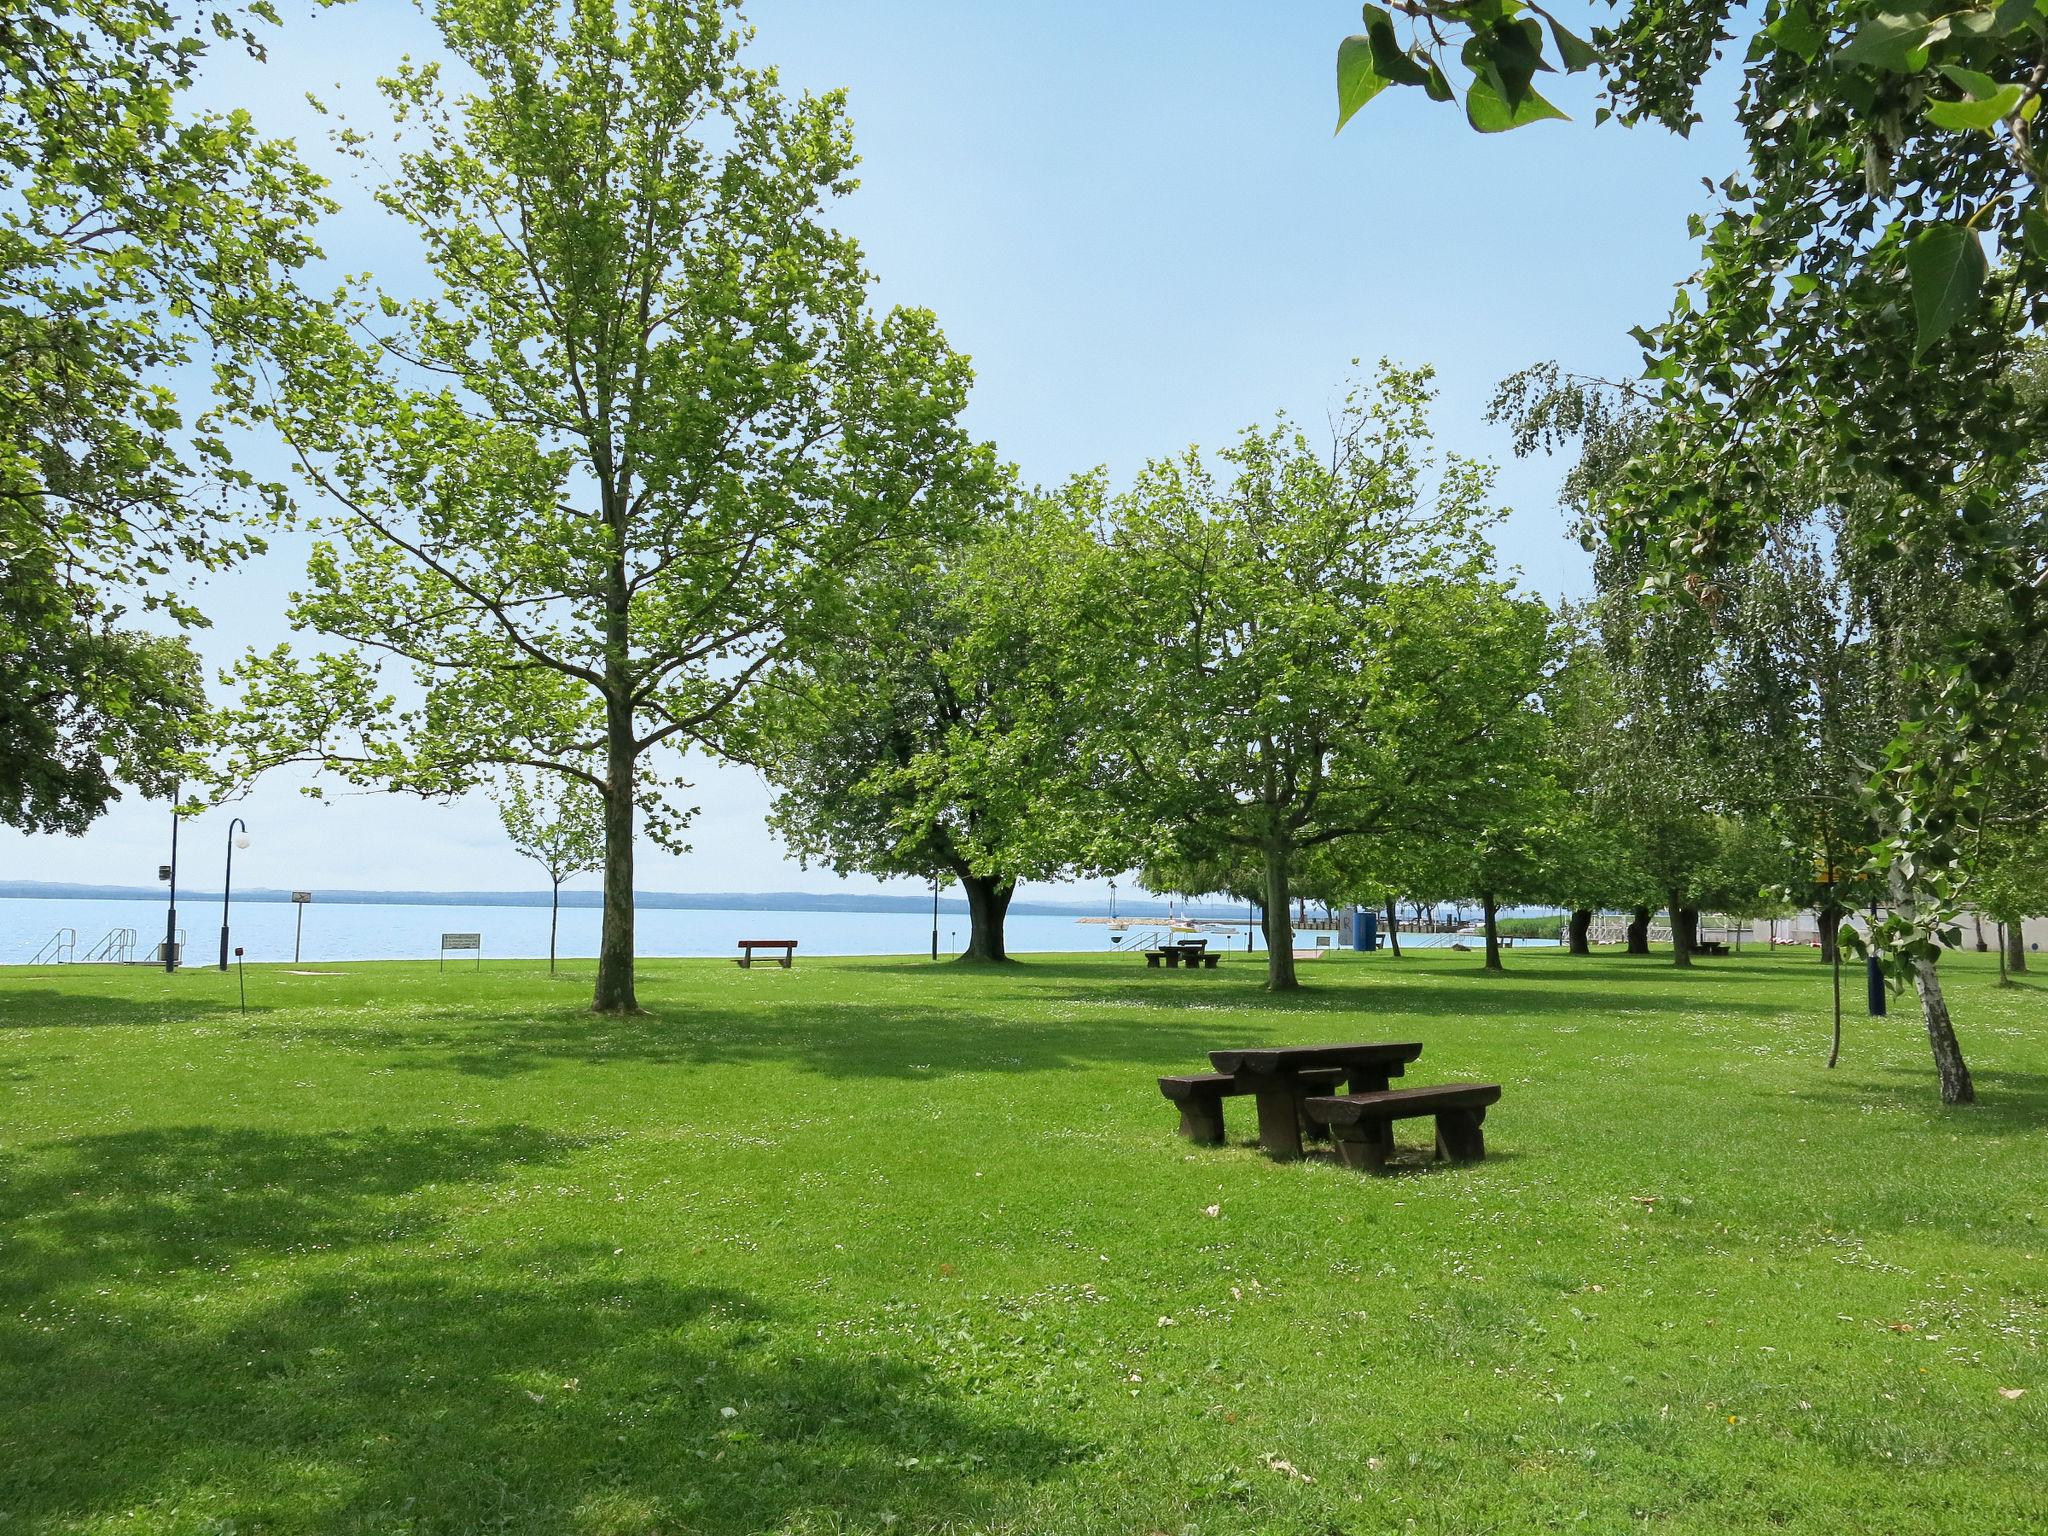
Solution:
(1362, 1123)
(1193, 956)
(1200, 1096)
(748, 946)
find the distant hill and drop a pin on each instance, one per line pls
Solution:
(692, 901)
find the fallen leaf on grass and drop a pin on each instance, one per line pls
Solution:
(2009, 1393)
(1286, 1468)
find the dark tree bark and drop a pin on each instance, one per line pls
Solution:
(1682, 918)
(554, 919)
(988, 904)
(1639, 931)
(1580, 930)
(1393, 928)
(1280, 976)
(1830, 934)
(615, 992)
(2015, 947)
(1492, 910)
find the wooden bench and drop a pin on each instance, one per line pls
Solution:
(1200, 1096)
(1710, 947)
(1363, 1123)
(748, 946)
(1176, 955)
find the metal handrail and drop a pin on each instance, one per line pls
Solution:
(117, 948)
(62, 948)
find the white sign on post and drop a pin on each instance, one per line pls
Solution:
(460, 941)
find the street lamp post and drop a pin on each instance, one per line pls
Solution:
(171, 918)
(227, 881)
(935, 914)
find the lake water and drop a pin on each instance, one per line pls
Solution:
(363, 931)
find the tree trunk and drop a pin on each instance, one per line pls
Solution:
(2015, 947)
(1492, 909)
(1956, 1087)
(988, 903)
(1830, 934)
(554, 918)
(1639, 931)
(615, 992)
(1280, 975)
(1393, 928)
(1681, 936)
(1580, 930)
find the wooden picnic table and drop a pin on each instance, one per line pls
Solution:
(1273, 1074)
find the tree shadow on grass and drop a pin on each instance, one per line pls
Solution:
(160, 1201)
(225, 1331)
(828, 1040)
(2008, 1103)
(49, 1008)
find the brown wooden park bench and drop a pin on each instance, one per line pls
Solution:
(748, 946)
(1363, 1123)
(1200, 1097)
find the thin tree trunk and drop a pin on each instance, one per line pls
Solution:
(1393, 928)
(2016, 947)
(1639, 931)
(1581, 930)
(988, 904)
(615, 991)
(1681, 939)
(1835, 1044)
(1492, 909)
(1280, 975)
(1956, 1086)
(554, 918)
(2003, 979)
(1830, 935)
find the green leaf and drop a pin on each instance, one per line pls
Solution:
(1947, 267)
(1573, 51)
(1980, 115)
(1358, 80)
(1486, 111)
(1436, 85)
(1979, 87)
(1892, 40)
(1387, 55)
(1798, 32)
(2034, 230)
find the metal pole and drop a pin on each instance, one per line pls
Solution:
(298, 931)
(935, 915)
(171, 918)
(227, 881)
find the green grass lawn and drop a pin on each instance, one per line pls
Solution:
(880, 1246)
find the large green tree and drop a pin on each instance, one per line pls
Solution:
(1846, 322)
(614, 464)
(138, 236)
(945, 730)
(1311, 642)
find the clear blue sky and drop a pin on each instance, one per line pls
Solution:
(1136, 220)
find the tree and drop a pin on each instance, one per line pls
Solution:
(944, 730)
(1588, 862)
(1310, 649)
(558, 823)
(1845, 323)
(615, 467)
(137, 236)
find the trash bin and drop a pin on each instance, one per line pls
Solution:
(1365, 931)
